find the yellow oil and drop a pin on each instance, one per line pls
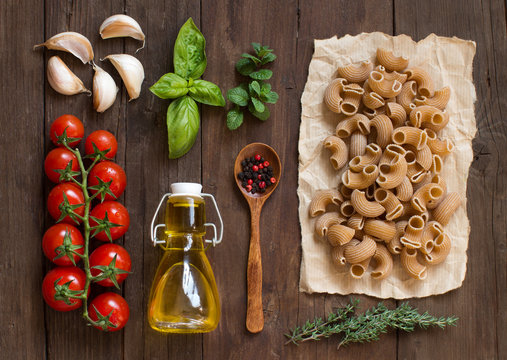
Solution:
(184, 296)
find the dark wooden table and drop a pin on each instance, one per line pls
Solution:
(31, 330)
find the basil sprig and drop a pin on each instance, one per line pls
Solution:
(186, 88)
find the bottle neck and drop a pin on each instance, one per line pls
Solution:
(185, 242)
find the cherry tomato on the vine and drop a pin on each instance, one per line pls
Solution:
(103, 256)
(71, 124)
(75, 197)
(116, 213)
(106, 171)
(53, 240)
(73, 274)
(103, 140)
(57, 159)
(104, 304)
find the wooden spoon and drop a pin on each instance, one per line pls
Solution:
(254, 314)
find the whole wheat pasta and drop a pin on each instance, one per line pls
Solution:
(369, 192)
(322, 199)
(444, 210)
(423, 80)
(371, 156)
(409, 211)
(326, 220)
(391, 62)
(389, 156)
(358, 143)
(337, 256)
(428, 116)
(411, 265)
(371, 113)
(441, 249)
(372, 100)
(339, 151)
(391, 175)
(440, 147)
(339, 234)
(410, 135)
(390, 202)
(395, 246)
(413, 232)
(436, 164)
(384, 128)
(364, 207)
(357, 122)
(431, 230)
(359, 269)
(359, 234)
(424, 194)
(357, 252)
(346, 209)
(437, 179)
(356, 73)
(356, 221)
(352, 95)
(391, 76)
(384, 263)
(407, 95)
(415, 173)
(361, 179)
(404, 190)
(424, 157)
(396, 113)
(382, 86)
(381, 229)
(439, 99)
(426, 179)
(345, 191)
(437, 123)
(333, 95)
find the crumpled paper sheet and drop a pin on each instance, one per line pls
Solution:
(449, 62)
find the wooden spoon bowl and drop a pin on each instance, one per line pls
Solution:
(254, 313)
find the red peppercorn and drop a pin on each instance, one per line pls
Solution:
(266, 163)
(257, 157)
(248, 188)
(260, 166)
(249, 182)
(272, 180)
(259, 176)
(255, 168)
(262, 184)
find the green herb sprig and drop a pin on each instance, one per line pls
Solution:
(368, 326)
(255, 93)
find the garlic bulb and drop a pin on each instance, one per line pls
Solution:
(131, 72)
(119, 26)
(104, 90)
(62, 79)
(71, 42)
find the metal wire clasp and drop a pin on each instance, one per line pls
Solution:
(214, 241)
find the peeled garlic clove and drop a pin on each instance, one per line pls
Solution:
(62, 79)
(119, 26)
(131, 72)
(104, 90)
(71, 42)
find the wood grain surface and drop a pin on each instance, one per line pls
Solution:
(31, 330)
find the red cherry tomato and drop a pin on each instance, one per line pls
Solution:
(53, 238)
(104, 255)
(104, 304)
(66, 273)
(106, 171)
(57, 159)
(72, 124)
(103, 140)
(75, 197)
(116, 213)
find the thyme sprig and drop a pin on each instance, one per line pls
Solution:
(368, 326)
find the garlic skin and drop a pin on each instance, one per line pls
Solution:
(131, 71)
(62, 79)
(104, 90)
(120, 26)
(72, 42)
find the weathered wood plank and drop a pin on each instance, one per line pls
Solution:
(482, 327)
(21, 192)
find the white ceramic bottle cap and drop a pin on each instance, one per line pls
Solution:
(186, 188)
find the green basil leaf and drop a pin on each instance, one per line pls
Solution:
(259, 115)
(263, 74)
(254, 88)
(257, 47)
(251, 57)
(234, 119)
(258, 105)
(238, 96)
(182, 126)
(170, 86)
(245, 66)
(268, 58)
(271, 97)
(189, 56)
(207, 93)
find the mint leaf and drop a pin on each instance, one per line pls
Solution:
(259, 115)
(263, 74)
(257, 47)
(245, 66)
(271, 97)
(265, 88)
(234, 118)
(170, 86)
(238, 96)
(254, 88)
(258, 105)
(268, 58)
(207, 93)
(256, 60)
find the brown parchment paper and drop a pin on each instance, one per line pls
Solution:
(449, 62)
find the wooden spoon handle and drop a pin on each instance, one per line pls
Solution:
(254, 314)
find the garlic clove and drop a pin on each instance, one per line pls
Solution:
(119, 26)
(71, 42)
(131, 72)
(104, 90)
(62, 79)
